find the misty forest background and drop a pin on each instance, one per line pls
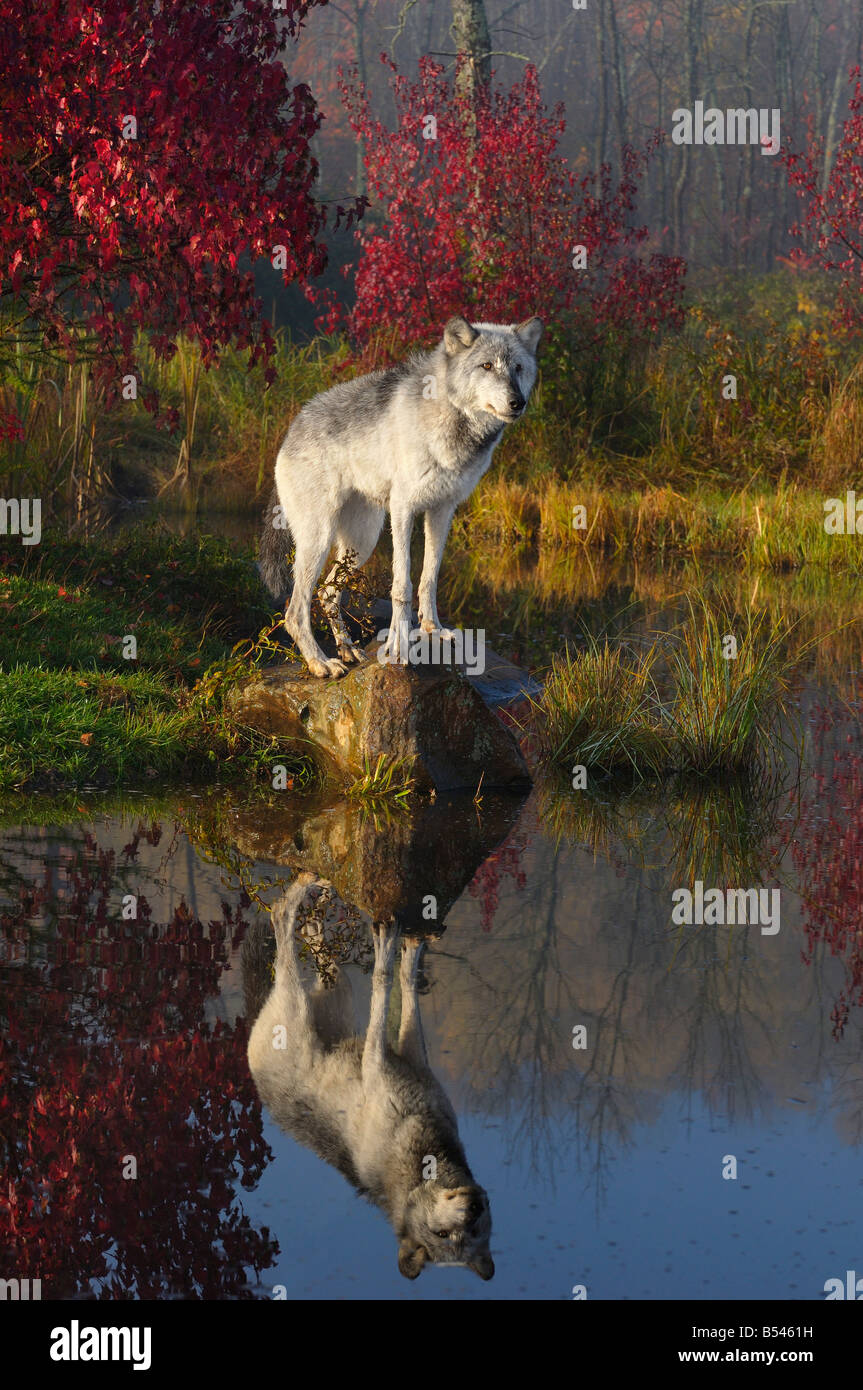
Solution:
(630, 407)
(621, 68)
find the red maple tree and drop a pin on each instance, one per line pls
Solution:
(475, 212)
(143, 151)
(831, 231)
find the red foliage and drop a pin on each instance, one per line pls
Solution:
(832, 227)
(829, 860)
(108, 234)
(11, 428)
(504, 862)
(106, 1051)
(483, 218)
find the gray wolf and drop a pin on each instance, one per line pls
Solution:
(375, 1112)
(414, 439)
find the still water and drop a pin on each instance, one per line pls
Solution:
(640, 1110)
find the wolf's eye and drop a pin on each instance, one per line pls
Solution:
(444, 1235)
(518, 369)
(486, 366)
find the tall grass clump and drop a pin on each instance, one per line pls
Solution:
(730, 690)
(690, 704)
(598, 710)
(390, 779)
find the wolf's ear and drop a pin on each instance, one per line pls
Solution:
(412, 1258)
(458, 335)
(530, 333)
(483, 1265)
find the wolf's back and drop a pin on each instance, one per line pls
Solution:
(273, 548)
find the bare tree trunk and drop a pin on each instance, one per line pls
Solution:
(748, 153)
(470, 31)
(785, 75)
(602, 132)
(678, 203)
(360, 8)
(620, 88)
(840, 84)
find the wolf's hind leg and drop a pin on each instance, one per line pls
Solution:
(357, 532)
(288, 1006)
(312, 551)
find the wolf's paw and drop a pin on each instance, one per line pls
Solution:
(410, 943)
(348, 653)
(446, 634)
(328, 666)
(396, 651)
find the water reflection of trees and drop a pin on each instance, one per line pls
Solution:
(108, 1050)
(106, 1053)
(708, 1013)
(829, 855)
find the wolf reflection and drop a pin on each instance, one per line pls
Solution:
(374, 1112)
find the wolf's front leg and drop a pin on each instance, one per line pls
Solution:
(386, 939)
(437, 524)
(397, 646)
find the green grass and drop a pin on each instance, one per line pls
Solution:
(725, 711)
(683, 705)
(598, 710)
(74, 711)
(390, 780)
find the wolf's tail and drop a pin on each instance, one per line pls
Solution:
(273, 551)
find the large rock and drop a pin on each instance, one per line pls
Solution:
(432, 714)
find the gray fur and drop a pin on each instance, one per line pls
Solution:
(374, 1112)
(414, 439)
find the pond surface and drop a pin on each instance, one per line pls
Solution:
(644, 1110)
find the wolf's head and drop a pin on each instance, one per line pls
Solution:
(446, 1226)
(490, 367)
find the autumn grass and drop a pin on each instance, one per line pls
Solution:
(598, 710)
(692, 703)
(77, 709)
(727, 701)
(75, 450)
(778, 529)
